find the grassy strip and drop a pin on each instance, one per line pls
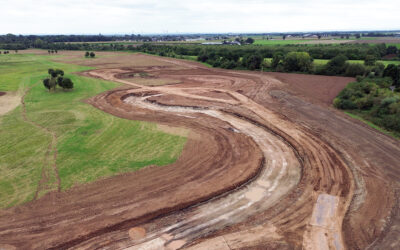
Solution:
(91, 144)
(372, 125)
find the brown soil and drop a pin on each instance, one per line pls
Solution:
(8, 102)
(314, 87)
(379, 40)
(269, 155)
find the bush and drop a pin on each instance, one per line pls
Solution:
(354, 69)
(336, 66)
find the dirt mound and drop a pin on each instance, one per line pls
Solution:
(2, 93)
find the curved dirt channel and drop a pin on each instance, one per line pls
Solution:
(280, 174)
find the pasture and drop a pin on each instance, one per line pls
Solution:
(61, 141)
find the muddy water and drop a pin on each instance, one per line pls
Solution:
(280, 174)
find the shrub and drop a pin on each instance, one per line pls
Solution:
(354, 69)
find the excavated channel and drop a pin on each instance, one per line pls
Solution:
(280, 174)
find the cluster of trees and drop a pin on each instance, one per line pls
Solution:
(52, 51)
(339, 65)
(5, 52)
(291, 62)
(56, 77)
(374, 100)
(249, 40)
(90, 54)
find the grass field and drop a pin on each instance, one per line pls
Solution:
(324, 61)
(90, 143)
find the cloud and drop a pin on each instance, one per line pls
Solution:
(212, 16)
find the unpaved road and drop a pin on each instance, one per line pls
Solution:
(266, 166)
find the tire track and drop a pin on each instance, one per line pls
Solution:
(45, 176)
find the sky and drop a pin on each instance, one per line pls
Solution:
(200, 16)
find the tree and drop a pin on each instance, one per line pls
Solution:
(249, 40)
(336, 66)
(87, 54)
(46, 83)
(369, 60)
(67, 83)
(319, 37)
(284, 37)
(92, 54)
(354, 69)
(358, 36)
(59, 72)
(391, 50)
(252, 62)
(276, 59)
(297, 61)
(378, 69)
(393, 71)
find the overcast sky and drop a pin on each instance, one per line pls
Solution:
(195, 16)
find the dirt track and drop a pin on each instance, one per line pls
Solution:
(267, 165)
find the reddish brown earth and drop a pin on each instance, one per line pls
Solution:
(268, 165)
(2, 93)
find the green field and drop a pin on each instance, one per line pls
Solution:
(394, 44)
(90, 143)
(324, 61)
